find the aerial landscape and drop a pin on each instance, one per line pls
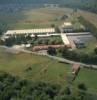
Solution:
(48, 50)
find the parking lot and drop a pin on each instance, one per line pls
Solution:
(82, 37)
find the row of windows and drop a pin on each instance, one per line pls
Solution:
(29, 34)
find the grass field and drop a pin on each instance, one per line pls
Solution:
(91, 17)
(34, 67)
(43, 17)
(34, 18)
(88, 77)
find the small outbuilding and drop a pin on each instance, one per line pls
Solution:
(75, 68)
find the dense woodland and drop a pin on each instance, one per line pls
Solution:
(90, 5)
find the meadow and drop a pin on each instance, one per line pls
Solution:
(34, 18)
(43, 17)
(34, 67)
(87, 76)
(89, 16)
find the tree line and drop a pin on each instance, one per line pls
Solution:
(89, 58)
(90, 5)
(3, 28)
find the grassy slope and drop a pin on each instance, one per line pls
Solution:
(17, 64)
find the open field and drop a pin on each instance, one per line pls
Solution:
(43, 17)
(34, 67)
(87, 76)
(91, 17)
(34, 18)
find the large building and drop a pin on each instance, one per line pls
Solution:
(67, 27)
(30, 32)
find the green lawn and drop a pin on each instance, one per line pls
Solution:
(41, 68)
(51, 40)
(88, 77)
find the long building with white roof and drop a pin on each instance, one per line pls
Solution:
(31, 31)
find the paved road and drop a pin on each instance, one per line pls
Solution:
(54, 57)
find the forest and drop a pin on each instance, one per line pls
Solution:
(90, 5)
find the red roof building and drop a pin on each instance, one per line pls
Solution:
(75, 68)
(45, 47)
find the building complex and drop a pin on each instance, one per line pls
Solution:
(30, 32)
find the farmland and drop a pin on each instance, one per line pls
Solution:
(41, 18)
(33, 18)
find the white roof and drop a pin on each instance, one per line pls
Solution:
(27, 31)
(79, 33)
(27, 45)
(67, 23)
(65, 39)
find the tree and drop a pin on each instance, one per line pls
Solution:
(28, 37)
(52, 25)
(82, 86)
(36, 37)
(57, 29)
(51, 51)
(67, 91)
(82, 91)
(95, 50)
